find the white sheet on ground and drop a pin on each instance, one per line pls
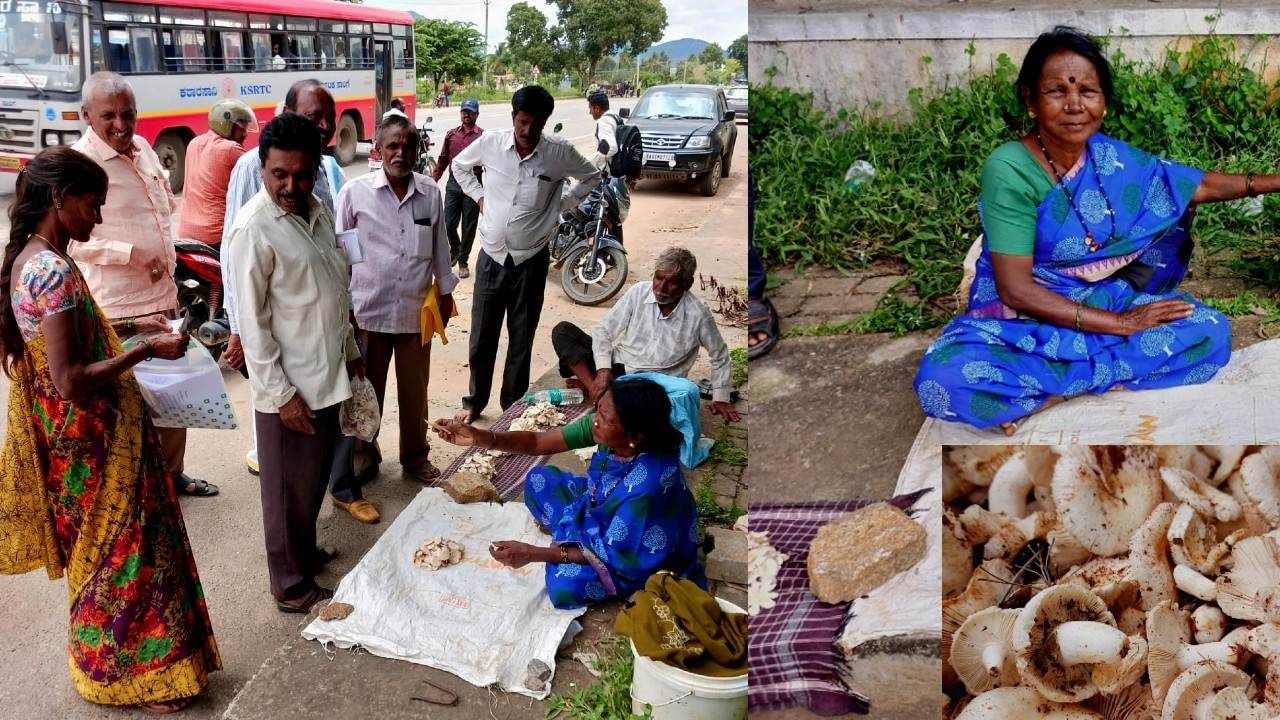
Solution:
(909, 604)
(478, 619)
(1236, 407)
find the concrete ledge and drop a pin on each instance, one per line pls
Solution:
(836, 21)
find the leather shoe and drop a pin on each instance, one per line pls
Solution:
(362, 510)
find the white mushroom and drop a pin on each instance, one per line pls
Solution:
(1208, 623)
(1060, 635)
(1149, 558)
(1258, 476)
(1193, 583)
(1228, 458)
(1021, 703)
(1168, 631)
(980, 652)
(1192, 693)
(1205, 498)
(1251, 589)
(1233, 703)
(1010, 487)
(1193, 542)
(977, 464)
(957, 558)
(1114, 677)
(1103, 495)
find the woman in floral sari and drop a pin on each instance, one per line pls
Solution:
(83, 489)
(1086, 240)
(629, 517)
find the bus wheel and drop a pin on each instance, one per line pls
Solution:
(345, 149)
(171, 148)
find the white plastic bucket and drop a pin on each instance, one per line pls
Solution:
(677, 694)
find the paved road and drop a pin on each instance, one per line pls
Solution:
(227, 538)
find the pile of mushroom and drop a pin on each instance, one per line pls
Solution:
(480, 463)
(1111, 583)
(437, 552)
(538, 417)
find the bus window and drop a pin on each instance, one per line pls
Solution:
(304, 48)
(195, 55)
(328, 52)
(119, 12)
(144, 50)
(361, 53)
(227, 20)
(404, 56)
(261, 51)
(232, 44)
(181, 16)
(381, 29)
(119, 58)
(280, 52)
(98, 58)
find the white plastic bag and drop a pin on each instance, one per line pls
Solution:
(187, 392)
(360, 416)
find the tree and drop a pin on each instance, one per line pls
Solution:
(593, 29)
(738, 51)
(729, 71)
(712, 56)
(531, 42)
(447, 48)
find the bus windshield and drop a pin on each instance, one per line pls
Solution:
(40, 45)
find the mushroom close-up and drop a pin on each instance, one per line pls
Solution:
(1112, 582)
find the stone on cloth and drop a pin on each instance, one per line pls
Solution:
(857, 553)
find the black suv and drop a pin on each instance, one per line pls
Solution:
(688, 133)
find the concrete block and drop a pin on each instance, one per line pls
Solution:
(727, 560)
(901, 675)
(734, 593)
(859, 552)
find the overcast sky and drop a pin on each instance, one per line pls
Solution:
(711, 20)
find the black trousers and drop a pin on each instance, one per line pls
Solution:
(293, 471)
(460, 209)
(572, 344)
(514, 292)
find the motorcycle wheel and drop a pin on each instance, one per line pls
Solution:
(592, 286)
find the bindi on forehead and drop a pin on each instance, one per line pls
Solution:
(1072, 79)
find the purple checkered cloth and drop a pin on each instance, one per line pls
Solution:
(792, 654)
(512, 468)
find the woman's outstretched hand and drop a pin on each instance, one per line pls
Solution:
(455, 432)
(1139, 318)
(513, 554)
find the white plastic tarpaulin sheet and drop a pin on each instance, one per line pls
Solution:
(1237, 407)
(478, 619)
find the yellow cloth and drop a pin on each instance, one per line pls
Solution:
(27, 539)
(431, 321)
(674, 621)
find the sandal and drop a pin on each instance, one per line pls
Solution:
(306, 602)
(763, 320)
(427, 473)
(195, 488)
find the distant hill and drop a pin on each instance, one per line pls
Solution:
(677, 50)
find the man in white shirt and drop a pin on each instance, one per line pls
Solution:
(657, 326)
(520, 202)
(606, 129)
(299, 345)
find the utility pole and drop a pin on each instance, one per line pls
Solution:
(485, 82)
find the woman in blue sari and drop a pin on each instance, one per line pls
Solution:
(630, 516)
(1086, 240)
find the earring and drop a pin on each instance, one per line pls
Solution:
(631, 445)
(1031, 114)
(57, 204)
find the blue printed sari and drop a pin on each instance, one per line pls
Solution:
(630, 518)
(991, 365)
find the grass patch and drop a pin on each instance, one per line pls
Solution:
(710, 512)
(609, 698)
(773, 282)
(1199, 106)
(1246, 303)
(738, 361)
(726, 452)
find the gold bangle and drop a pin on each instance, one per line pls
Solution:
(564, 555)
(1079, 312)
(151, 351)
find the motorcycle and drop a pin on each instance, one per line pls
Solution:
(199, 280)
(587, 247)
(426, 164)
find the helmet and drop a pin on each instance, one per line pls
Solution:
(228, 113)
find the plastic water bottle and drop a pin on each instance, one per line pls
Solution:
(858, 174)
(556, 396)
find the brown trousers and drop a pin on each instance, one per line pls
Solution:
(413, 370)
(294, 475)
(173, 444)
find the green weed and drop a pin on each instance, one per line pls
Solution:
(738, 361)
(1200, 106)
(608, 699)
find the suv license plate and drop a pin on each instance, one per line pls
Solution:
(659, 157)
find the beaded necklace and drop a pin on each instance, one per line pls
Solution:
(1071, 200)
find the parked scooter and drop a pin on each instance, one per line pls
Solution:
(199, 280)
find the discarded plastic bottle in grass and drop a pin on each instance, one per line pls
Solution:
(556, 396)
(1249, 207)
(858, 174)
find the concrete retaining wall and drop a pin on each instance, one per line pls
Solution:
(851, 53)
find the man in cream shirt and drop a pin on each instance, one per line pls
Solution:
(294, 314)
